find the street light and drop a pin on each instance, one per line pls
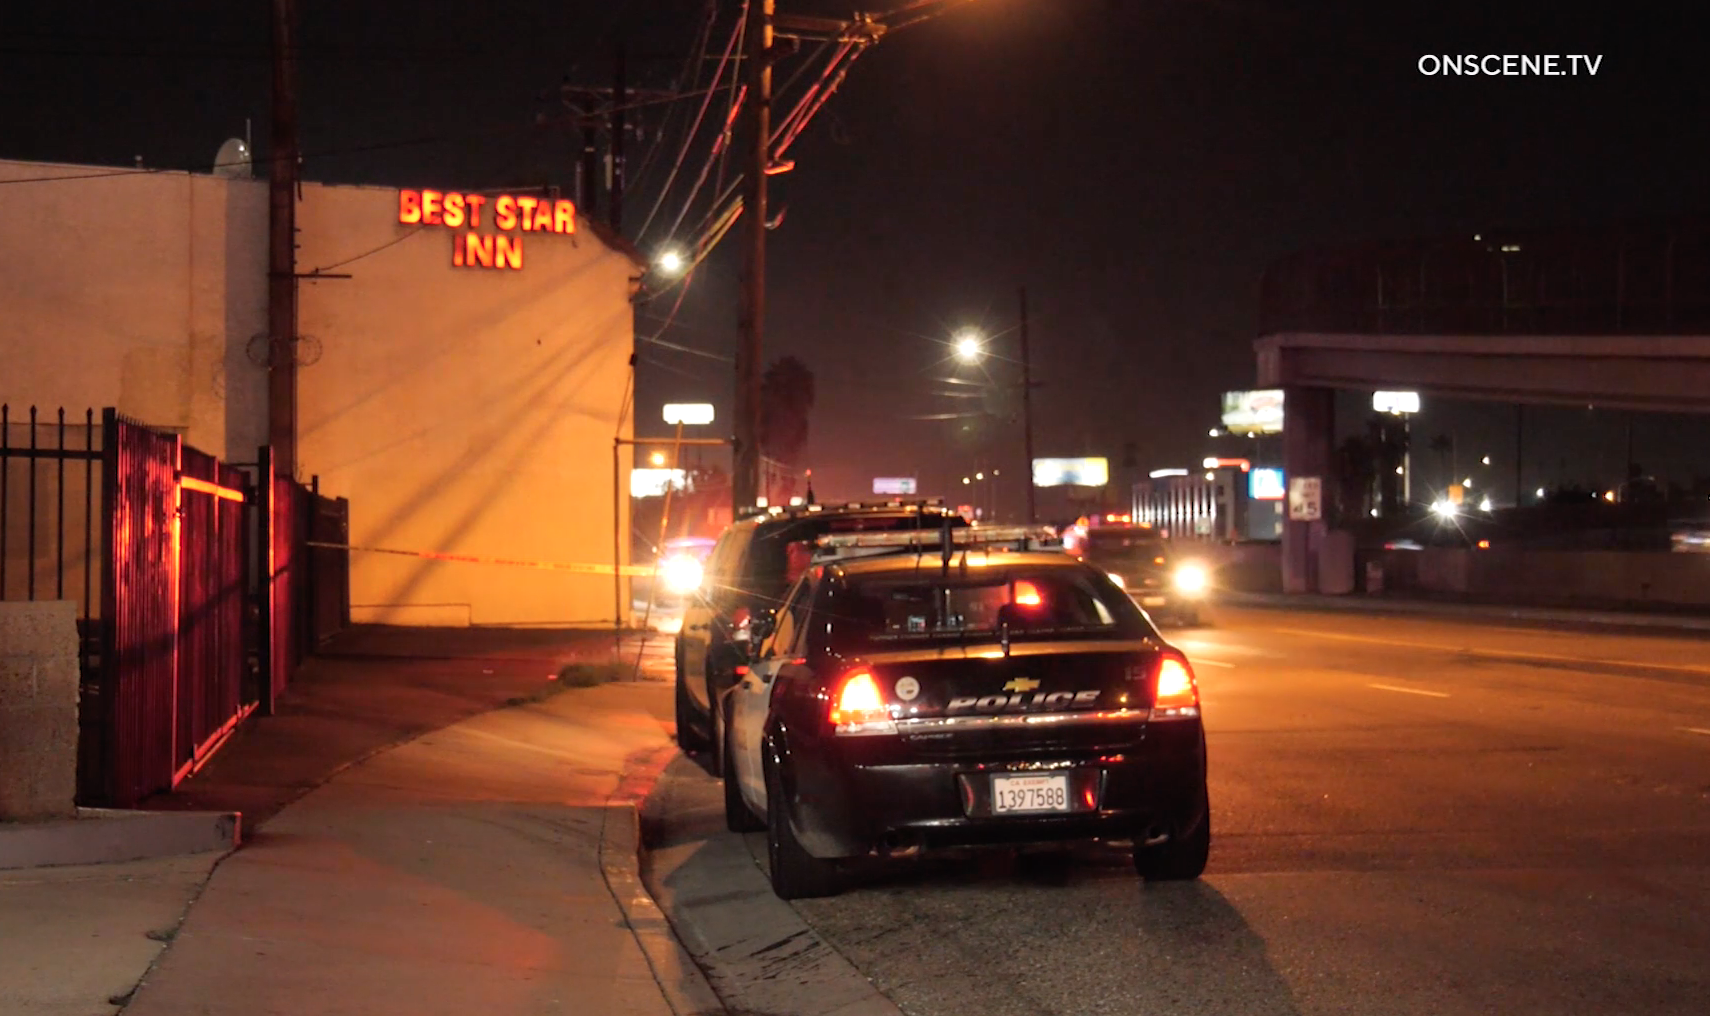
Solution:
(671, 261)
(657, 458)
(969, 346)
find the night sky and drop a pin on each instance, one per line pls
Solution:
(1135, 163)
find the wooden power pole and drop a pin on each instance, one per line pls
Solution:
(282, 245)
(757, 64)
(1027, 411)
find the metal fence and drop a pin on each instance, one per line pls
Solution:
(198, 595)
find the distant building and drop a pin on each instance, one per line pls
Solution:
(462, 386)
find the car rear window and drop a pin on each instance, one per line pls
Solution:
(1129, 541)
(914, 608)
(779, 556)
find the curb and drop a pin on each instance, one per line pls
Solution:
(1355, 604)
(107, 836)
(759, 952)
(685, 987)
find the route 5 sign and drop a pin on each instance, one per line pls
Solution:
(1305, 498)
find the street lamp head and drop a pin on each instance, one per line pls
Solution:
(658, 459)
(969, 346)
(671, 261)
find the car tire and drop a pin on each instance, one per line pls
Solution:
(689, 736)
(795, 873)
(738, 817)
(1180, 858)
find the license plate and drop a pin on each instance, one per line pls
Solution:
(1012, 794)
(1152, 601)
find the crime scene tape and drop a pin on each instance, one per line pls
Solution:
(580, 569)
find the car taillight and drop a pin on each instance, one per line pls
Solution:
(1175, 694)
(858, 707)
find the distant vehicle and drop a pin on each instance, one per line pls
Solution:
(914, 700)
(750, 570)
(1691, 537)
(1141, 561)
(682, 564)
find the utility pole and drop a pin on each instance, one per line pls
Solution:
(619, 98)
(282, 246)
(757, 110)
(1027, 411)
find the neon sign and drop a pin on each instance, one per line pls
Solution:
(510, 214)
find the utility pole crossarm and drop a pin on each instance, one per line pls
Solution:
(813, 29)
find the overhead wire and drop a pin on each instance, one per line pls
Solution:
(693, 131)
(688, 76)
(329, 153)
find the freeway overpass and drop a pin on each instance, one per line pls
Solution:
(1612, 318)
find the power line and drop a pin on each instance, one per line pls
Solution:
(330, 153)
(688, 76)
(689, 138)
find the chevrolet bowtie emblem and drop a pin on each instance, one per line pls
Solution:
(1021, 684)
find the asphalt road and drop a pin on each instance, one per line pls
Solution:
(1410, 816)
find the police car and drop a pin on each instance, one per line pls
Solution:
(975, 687)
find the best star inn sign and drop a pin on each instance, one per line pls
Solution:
(509, 214)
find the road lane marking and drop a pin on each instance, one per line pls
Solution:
(1410, 691)
(1212, 663)
(1696, 730)
(1512, 654)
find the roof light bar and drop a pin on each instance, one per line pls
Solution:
(1036, 537)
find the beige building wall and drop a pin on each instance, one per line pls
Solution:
(465, 411)
(139, 290)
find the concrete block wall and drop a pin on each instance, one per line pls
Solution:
(38, 710)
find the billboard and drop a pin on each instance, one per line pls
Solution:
(1266, 485)
(692, 414)
(1093, 472)
(1398, 403)
(652, 482)
(894, 485)
(1259, 412)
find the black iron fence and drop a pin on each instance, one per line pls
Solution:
(198, 594)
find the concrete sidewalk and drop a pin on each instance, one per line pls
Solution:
(458, 873)
(1493, 612)
(463, 838)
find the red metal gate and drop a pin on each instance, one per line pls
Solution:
(139, 611)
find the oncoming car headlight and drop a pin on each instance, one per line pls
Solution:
(1190, 579)
(681, 574)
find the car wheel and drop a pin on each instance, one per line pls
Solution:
(689, 736)
(738, 817)
(1180, 858)
(796, 874)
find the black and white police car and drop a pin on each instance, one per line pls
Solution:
(973, 687)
